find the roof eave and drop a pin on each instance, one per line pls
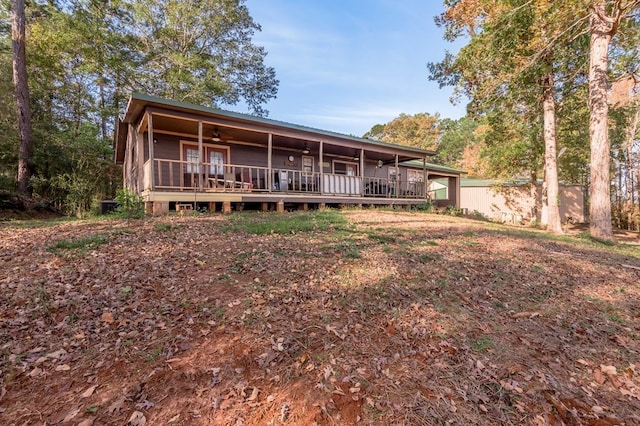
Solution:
(138, 102)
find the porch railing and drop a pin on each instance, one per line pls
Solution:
(185, 176)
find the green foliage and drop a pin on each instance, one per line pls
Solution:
(285, 223)
(424, 207)
(79, 245)
(130, 205)
(84, 59)
(456, 137)
(201, 52)
(419, 130)
(452, 211)
(483, 344)
(164, 227)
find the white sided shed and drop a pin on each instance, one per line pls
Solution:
(516, 201)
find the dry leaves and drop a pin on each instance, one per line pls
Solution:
(400, 318)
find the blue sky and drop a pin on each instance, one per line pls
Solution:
(346, 65)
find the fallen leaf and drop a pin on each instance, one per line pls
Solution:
(598, 377)
(57, 354)
(116, 405)
(526, 314)
(137, 419)
(89, 392)
(71, 415)
(254, 394)
(145, 405)
(107, 317)
(63, 367)
(608, 369)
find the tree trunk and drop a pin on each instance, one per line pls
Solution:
(550, 160)
(600, 207)
(25, 150)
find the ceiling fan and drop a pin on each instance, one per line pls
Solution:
(216, 136)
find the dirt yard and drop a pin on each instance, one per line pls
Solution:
(383, 318)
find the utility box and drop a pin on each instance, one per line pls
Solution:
(107, 206)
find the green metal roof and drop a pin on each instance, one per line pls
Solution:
(131, 115)
(433, 167)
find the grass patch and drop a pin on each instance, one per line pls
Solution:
(80, 245)
(285, 223)
(381, 238)
(164, 227)
(353, 253)
(482, 345)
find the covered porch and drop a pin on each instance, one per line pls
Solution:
(175, 153)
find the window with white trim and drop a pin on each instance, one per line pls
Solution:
(193, 160)
(216, 158)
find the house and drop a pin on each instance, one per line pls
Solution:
(177, 155)
(516, 202)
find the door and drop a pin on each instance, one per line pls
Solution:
(213, 165)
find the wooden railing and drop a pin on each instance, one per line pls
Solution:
(184, 176)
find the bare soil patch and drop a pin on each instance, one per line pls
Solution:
(387, 318)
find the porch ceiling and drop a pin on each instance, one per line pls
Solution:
(189, 128)
(182, 119)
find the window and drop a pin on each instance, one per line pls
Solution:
(193, 160)
(414, 176)
(343, 168)
(307, 164)
(216, 158)
(393, 173)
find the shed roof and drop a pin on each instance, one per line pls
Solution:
(475, 182)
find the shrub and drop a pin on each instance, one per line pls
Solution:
(130, 205)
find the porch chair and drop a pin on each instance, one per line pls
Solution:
(230, 181)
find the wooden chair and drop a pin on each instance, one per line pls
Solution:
(230, 181)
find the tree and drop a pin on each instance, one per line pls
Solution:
(510, 69)
(23, 109)
(201, 52)
(460, 140)
(86, 55)
(604, 21)
(420, 130)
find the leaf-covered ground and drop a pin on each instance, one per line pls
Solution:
(359, 317)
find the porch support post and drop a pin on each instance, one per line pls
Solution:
(361, 173)
(424, 175)
(269, 161)
(150, 141)
(200, 156)
(321, 161)
(397, 191)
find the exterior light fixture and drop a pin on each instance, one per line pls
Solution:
(380, 163)
(216, 137)
(356, 156)
(305, 150)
